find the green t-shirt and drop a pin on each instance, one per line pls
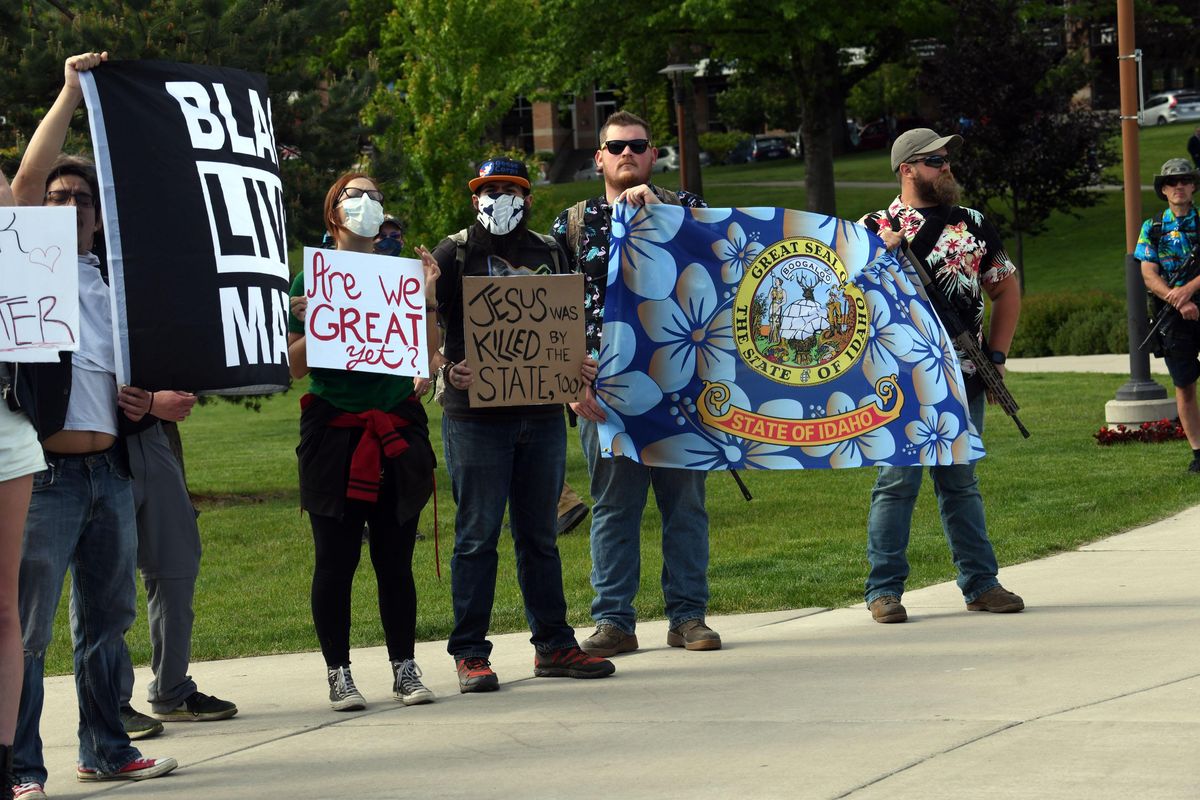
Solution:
(348, 390)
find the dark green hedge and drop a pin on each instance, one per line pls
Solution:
(1071, 324)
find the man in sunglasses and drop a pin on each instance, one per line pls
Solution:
(966, 260)
(512, 456)
(619, 485)
(1166, 247)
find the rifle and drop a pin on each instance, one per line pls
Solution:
(1190, 269)
(966, 342)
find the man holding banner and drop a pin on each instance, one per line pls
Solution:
(619, 485)
(81, 515)
(510, 455)
(966, 258)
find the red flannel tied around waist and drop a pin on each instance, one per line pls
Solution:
(379, 438)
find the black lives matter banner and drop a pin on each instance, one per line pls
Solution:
(194, 225)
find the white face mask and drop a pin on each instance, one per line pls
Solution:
(500, 213)
(363, 216)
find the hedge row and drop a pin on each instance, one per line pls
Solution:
(1071, 324)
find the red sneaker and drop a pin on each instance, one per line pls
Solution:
(475, 675)
(571, 662)
(139, 769)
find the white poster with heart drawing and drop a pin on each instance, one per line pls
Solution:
(39, 283)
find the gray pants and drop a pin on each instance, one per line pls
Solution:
(169, 560)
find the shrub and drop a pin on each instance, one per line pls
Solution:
(719, 145)
(1071, 324)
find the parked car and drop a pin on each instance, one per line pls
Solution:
(668, 158)
(1175, 106)
(759, 148)
(587, 172)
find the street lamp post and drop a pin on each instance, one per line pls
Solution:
(677, 73)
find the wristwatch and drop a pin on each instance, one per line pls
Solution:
(996, 357)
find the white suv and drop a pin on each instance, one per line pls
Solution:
(1173, 106)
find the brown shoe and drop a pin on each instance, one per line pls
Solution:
(694, 635)
(998, 600)
(887, 608)
(607, 641)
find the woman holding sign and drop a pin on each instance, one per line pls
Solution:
(364, 457)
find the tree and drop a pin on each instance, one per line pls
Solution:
(1028, 151)
(316, 111)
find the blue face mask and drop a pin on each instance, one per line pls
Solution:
(389, 245)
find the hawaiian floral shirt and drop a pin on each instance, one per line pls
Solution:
(967, 256)
(1179, 237)
(592, 259)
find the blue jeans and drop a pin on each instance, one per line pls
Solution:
(81, 517)
(961, 509)
(519, 463)
(619, 489)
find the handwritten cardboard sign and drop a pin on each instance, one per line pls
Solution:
(524, 339)
(39, 283)
(365, 312)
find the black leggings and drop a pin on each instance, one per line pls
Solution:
(338, 547)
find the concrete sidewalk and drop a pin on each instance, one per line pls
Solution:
(1093, 692)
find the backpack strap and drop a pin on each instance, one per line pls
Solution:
(556, 254)
(575, 226)
(460, 249)
(666, 195)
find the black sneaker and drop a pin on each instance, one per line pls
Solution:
(571, 662)
(406, 683)
(343, 694)
(1194, 466)
(198, 707)
(138, 725)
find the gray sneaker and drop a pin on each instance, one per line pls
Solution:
(138, 725)
(343, 694)
(694, 635)
(608, 640)
(407, 686)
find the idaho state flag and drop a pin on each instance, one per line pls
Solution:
(764, 338)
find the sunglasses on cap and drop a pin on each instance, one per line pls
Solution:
(354, 191)
(935, 162)
(1181, 181)
(617, 146)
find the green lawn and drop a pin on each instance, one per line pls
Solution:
(800, 542)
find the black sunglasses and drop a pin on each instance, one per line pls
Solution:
(1179, 181)
(936, 162)
(354, 191)
(617, 146)
(60, 197)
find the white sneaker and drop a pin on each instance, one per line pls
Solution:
(343, 694)
(407, 687)
(29, 791)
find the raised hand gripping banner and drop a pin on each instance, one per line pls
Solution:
(193, 224)
(765, 338)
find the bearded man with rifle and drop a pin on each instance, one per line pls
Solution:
(1167, 250)
(962, 258)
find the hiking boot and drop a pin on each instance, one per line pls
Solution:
(608, 640)
(887, 608)
(138, 725)
(475, 675)
(406, 683)
(198, 707)
(694, 635)
(570, 519)
(29, 791)
(998, 600)
(570, 662)
(139, 769)
(343, 694)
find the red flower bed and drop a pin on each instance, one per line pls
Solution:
(1164, 430)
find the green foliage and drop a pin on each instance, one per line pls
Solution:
(890, 90)
(445, 85)
(1071, 323)
(719, 145)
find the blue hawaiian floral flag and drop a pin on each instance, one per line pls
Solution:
(772, 339)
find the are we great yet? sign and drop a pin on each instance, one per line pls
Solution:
(365, 312)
